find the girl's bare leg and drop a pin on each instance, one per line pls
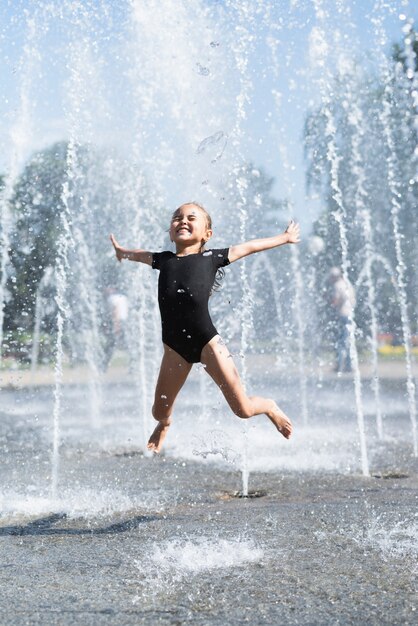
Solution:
(220, 366)
(173, 373)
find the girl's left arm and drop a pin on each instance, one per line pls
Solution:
(290, 235)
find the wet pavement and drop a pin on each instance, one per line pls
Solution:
(130, 539)
(318, 548)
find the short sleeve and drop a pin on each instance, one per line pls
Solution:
(158, 259)
(220, 257)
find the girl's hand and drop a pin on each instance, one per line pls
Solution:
(117, 247)
(293, 232)
(140, 256)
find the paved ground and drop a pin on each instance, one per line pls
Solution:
(312, 549)
(128, 539)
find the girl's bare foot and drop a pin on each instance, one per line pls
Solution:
(280, 420)
(155, 442)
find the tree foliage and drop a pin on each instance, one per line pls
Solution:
(88, 189)
(37, 207)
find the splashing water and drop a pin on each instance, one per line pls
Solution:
(193, 556)
(340, 217)
(395, 541)
(170, 562)
(214, 145)
(80, 503)
(213, 444)
(394, 189)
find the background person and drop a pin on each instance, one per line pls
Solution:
(343, 301)
(117, 311)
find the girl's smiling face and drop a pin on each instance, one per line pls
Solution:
(189, 226)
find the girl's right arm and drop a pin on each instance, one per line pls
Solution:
(141, 256)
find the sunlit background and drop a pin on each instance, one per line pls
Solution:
(114, 113)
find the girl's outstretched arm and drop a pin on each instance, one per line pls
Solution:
(141, 256)
(290, 235)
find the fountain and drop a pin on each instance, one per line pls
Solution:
(213, 154)
(340, 216)
(64, 243)
(96, 163)
(114, 116)
(394, 189)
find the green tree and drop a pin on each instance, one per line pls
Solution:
(97, 200)
(78, 193)
(37, 206)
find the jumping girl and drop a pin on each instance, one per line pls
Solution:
(185, 284)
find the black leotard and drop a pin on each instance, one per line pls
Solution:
(184, 288)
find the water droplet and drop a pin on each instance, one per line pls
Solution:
(189, 336)
(203, 71)
(214, 145)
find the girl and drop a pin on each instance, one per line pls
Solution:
(185, 283)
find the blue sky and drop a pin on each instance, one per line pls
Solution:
(154, 79)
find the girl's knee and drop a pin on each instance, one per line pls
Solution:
(243, 410)
(161, 413)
